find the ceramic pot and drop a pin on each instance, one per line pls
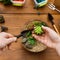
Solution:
(41, 3)
(18, 3)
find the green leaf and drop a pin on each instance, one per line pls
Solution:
(43, 23)
(31, 41)
(28, 34)
(6, 2)
(36, 23)
(38, 30)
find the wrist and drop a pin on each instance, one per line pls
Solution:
(57, 47)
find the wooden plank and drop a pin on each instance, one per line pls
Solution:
(17, 51)
(57, 3)
(28, 8)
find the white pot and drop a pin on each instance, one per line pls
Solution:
(18, 3)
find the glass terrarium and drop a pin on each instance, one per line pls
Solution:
(28, 41)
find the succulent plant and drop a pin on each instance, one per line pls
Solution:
(38, 30)
(31, 41)
(28, 34)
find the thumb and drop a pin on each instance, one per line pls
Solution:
(38, 38)
(10, 40)
(47, 29)
(52, 34)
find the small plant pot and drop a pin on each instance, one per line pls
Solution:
(18, 3)
(40, 3)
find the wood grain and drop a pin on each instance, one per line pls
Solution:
(17, 51)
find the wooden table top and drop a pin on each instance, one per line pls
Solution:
(18, 20)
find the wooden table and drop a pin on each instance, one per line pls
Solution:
(15, 19)
(28, 8)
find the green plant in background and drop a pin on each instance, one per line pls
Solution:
(38, 30)
(6, 2)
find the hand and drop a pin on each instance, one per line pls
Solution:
(5, 39)
(50, 39)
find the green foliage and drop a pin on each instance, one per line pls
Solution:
(43, 24)
(38, 27)
(6, 2)
(31, 41)
(38, 30)
(37, 23)
(28, 34)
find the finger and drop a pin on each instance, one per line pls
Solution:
(40, 39)
(47, 29)
(37, 37)
(9, 35)
(45, 42)
(10, 40)
(6, 35)
(52, 34)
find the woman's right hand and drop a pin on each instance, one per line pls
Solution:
(50, 39)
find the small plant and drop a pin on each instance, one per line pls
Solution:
(38, 30)
(28, 34)
(31, 41)
(38, 27)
